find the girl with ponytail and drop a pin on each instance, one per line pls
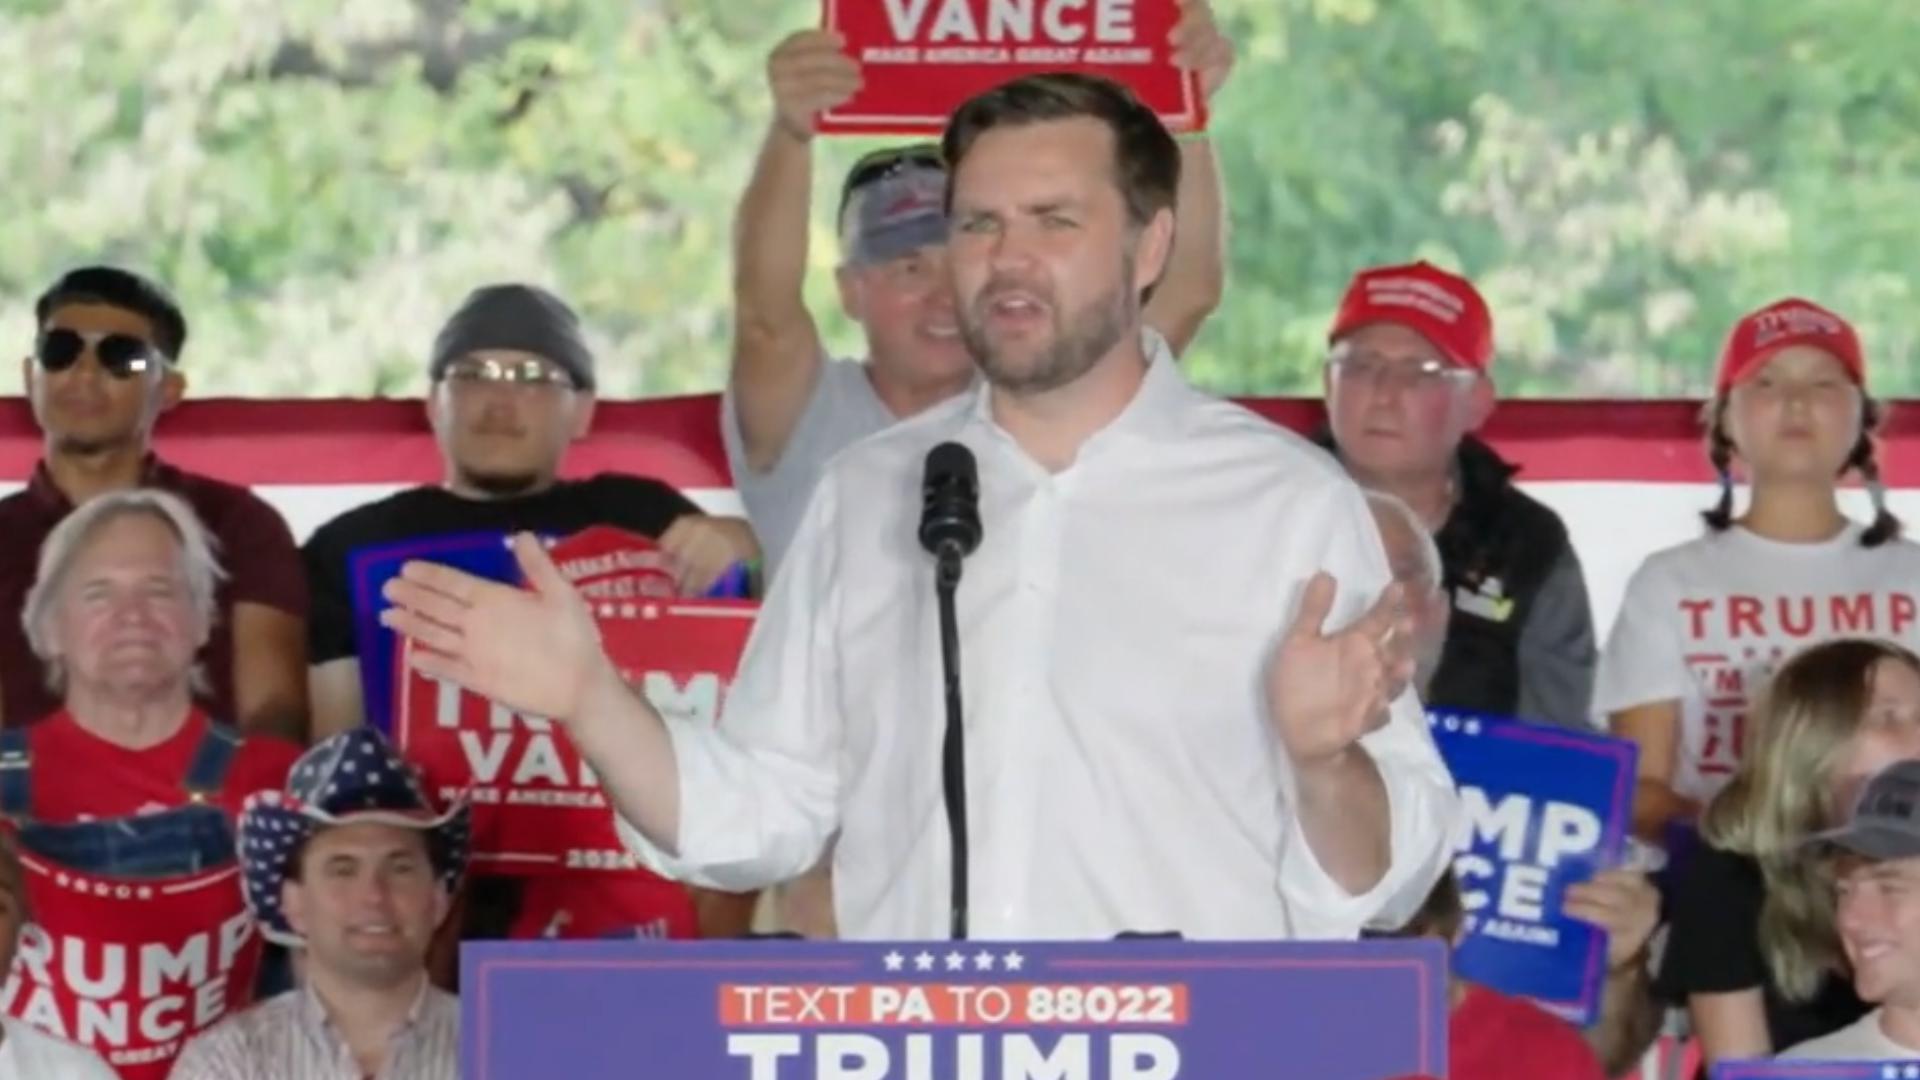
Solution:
(1704, 624)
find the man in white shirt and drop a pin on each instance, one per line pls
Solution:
(789, 408)
(26, 1052)
(1161, 735)
(1877, 875)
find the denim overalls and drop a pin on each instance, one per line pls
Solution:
(184, 840)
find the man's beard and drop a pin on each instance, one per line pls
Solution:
(1077, 345)
(501, 485)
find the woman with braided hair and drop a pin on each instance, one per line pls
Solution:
(1704, 624)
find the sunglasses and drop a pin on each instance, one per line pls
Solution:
(122, 355)
(891, 161)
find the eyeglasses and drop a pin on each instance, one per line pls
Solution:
(527, 372)
(1420, 374)
(122, 355)
(890, 161)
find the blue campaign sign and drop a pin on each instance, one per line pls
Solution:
(1541, 808)
(1816, 1070)
(793, 1010)
(370, 568)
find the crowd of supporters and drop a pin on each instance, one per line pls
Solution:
(181, 690)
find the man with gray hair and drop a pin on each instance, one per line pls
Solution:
(131, 779)
(26, 1052)
(121, 604)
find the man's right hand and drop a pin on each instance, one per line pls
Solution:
(809, 73)
(536, 650)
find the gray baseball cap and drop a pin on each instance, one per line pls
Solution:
(897, 213)
(1885, 822)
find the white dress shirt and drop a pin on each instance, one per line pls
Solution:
(1116, 624)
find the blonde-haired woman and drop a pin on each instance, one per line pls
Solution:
(1752, 951)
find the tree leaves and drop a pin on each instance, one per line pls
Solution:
(323, 180)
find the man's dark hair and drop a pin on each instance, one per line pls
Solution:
(1146, 160)
(123, 289)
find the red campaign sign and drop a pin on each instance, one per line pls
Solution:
(132, 969)
(538, 808)
(920, 59)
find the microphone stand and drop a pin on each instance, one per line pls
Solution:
(953, 753)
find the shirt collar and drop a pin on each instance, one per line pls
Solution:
(153, 473)
(318, 1024)
(1154, 413)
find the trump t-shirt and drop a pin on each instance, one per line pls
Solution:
(1706, 623)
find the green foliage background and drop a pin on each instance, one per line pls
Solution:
(322, 180)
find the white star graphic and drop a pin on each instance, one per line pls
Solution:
(1013, 961)
(1473, 727)
(923, 962)
(983, 961)
(1452, 723)
(956, 962)
(894, 960)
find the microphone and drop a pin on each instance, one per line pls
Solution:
(950, 530)
(950, 505)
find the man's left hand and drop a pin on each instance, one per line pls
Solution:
(702, 548)
(1326, 690)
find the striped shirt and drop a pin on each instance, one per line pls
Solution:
(289, 1037)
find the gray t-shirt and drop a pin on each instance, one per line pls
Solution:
(842, 410)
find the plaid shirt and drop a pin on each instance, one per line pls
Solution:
(289, 1037)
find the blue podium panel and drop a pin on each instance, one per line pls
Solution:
(788, 1010)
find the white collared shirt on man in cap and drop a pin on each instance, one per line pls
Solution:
(1116, 624)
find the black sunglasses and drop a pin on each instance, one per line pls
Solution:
(122, 355)
(889, 162)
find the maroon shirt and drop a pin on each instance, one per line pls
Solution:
(255, 549)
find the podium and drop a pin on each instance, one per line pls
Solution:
(796, 1010)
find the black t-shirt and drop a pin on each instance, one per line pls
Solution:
(1713, 947)
(634, 503)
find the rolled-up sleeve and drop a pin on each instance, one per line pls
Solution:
(1420, 793)
(759, 792)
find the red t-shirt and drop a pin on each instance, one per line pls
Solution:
(1496, 1037)
(78, 776)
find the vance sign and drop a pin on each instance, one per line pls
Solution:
(922, 58)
